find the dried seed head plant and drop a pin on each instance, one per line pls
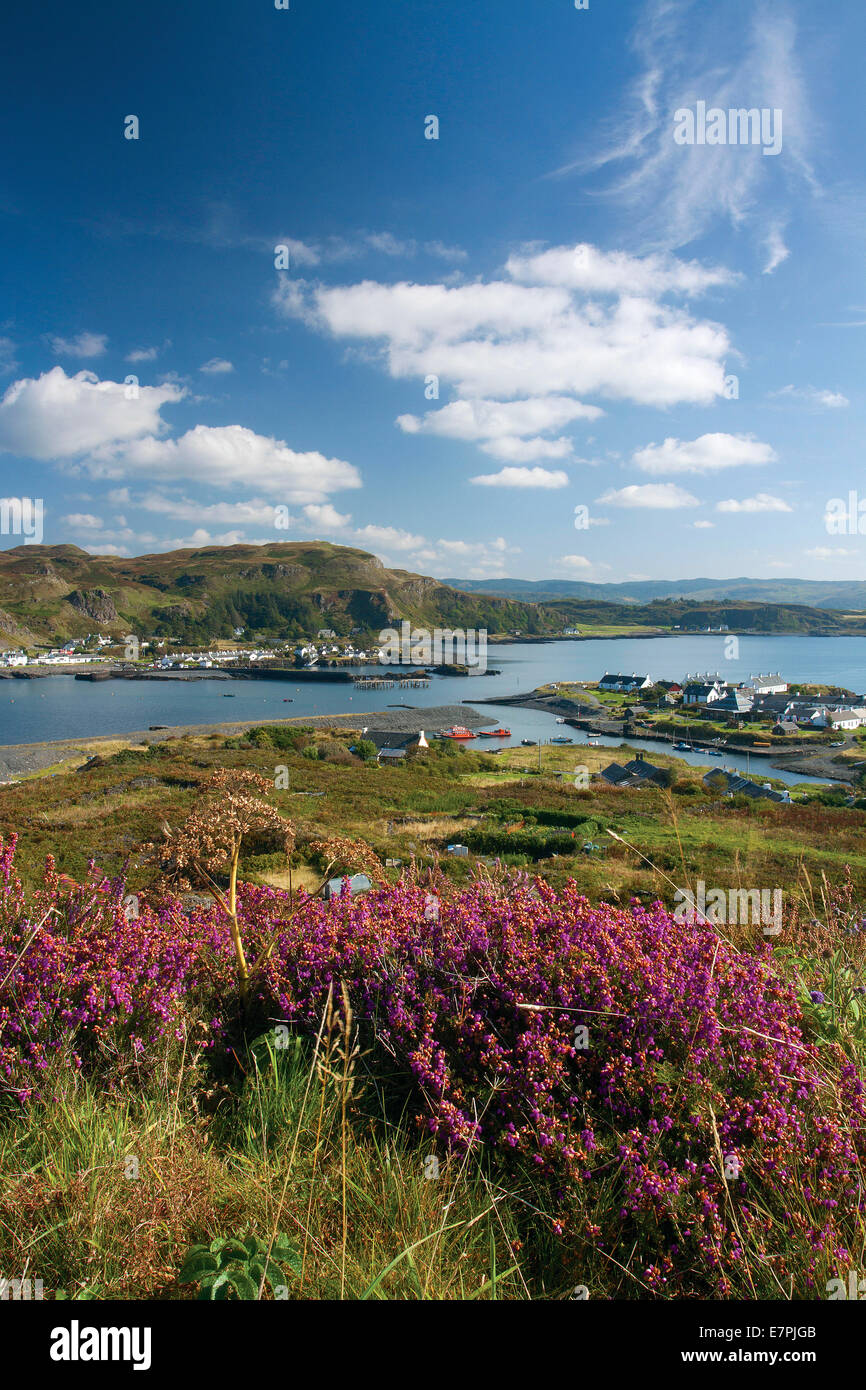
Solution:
(208, 846)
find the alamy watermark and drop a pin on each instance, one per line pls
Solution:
(22, 516)
(846, 517)
(422, 646)
(738, 126)
(758, 907)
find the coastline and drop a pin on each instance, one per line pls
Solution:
(809, 763)
(27, 759)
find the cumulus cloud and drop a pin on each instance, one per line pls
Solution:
(56, 416)
(523, 478)
(391, 537)
(324, 515)
(708, 454)
(655, 496)
(84, 345)
(575, 562)
(501, 427)
(504, 341)
(703, 525)
(217, 366)
(829, 552)
(228, 455)
(476, 419)
(762, 502)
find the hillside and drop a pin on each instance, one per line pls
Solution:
(50, 593)
(288, 590)
(847, 595)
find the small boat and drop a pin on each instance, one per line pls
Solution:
(228, 697)
(529, 742)
(562, 740)
(494, 733)
(559, 719)
(291, 702)
(716, 752)
(458, 732)
(683, 747)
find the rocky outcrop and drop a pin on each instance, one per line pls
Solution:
(93, 603)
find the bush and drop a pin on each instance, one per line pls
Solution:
(648, 1085)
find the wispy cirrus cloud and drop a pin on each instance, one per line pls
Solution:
(675, 193)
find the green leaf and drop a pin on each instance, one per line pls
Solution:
(244, 1285)
(289, 1255)
(275, 1276)
(230, 1248)
(195, 1265)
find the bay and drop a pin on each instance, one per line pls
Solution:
(59, 707)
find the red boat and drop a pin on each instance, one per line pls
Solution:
(495, 733)
(458, 732)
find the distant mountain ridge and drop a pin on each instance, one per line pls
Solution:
(846, 595)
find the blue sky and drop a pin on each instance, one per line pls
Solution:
(667, 335)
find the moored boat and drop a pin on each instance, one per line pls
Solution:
(494, 733)
(458, 732)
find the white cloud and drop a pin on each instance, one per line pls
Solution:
(762, 502)
(106, 548)
(255, 512)
(142, 355)
(673, 194)
(324, 515)
(655, 496)
(231, 455)
(829, 552)
(502, 340)
(201, 537)
(575, 562)
(829, 400)
(217, 366)
(476, 419)
(84, 521)
(389, 536)
(84, 345)
(515, 450)
(707, 454)
(56, 416)
(584, 267)
(777, 251)
(522, 478)
(703, 525)
(7, 356)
